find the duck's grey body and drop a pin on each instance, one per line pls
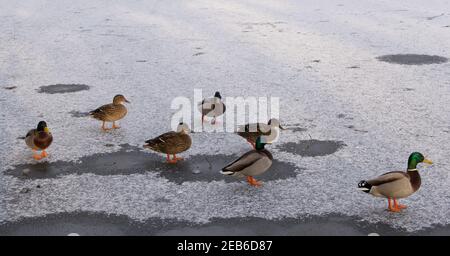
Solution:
(396, 184)
(252, 163)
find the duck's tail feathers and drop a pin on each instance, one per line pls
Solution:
(364, 186)
(226, 172)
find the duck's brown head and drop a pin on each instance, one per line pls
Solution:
(120, 99)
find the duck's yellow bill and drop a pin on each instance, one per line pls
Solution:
(428, 161)
(46, 130)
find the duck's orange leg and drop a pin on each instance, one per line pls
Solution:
(36, 156)
(177, 158)
(171, 161)
(399, 206)
(44, 154)
(114, 126)
(253, 182)
(391, 207)
(103, 127)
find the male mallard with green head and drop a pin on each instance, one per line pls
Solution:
(212, 107)
(252, 163)
(172, 143)
(397, 184)
(111, 112)
(251, 132)
(39, 139)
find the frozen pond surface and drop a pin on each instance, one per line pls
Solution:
(319, 57)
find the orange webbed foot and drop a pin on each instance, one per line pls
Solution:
(171, 161)
(37, 157)
(402, 206)
(394, 209)
(253, 182)
(44, 154)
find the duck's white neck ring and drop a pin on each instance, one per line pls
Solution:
(412, 170)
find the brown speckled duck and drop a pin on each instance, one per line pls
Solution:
(397, 184)
(39, 139)
(111, 112)
(251, 132)
(172, 143)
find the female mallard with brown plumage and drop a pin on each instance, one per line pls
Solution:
(397, 184)
(172, 143)
(111, 112)
(39, 139)
(251, 132)
(252, 163)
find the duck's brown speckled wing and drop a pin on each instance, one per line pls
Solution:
(170, 143)
(109, 112)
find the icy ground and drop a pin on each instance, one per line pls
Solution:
(319, 57)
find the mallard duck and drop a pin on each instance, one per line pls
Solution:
(212, 107)
(172, 143)
(39, 139)
(111, 112)
(252, 163)
(251, 132)
(397, 184)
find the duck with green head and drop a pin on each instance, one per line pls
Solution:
(397, 184)
(39, 139)
(254, 162)
(252, 131)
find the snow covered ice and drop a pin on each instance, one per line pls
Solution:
(319, 57)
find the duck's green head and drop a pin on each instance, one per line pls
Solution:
(261, 142)
(217, 95)
(42, 127)
(415, 158)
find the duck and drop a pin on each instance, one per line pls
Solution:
(252, 163)
(172, 143)
(212, 107)
(111, 112)
(39, 139)
(396, 184)
(251, 132)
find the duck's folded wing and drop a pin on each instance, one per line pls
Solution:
(166, 138)
(243, 162)
(29, 133)
(107, 110)
(252, 127)
(388, 177)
